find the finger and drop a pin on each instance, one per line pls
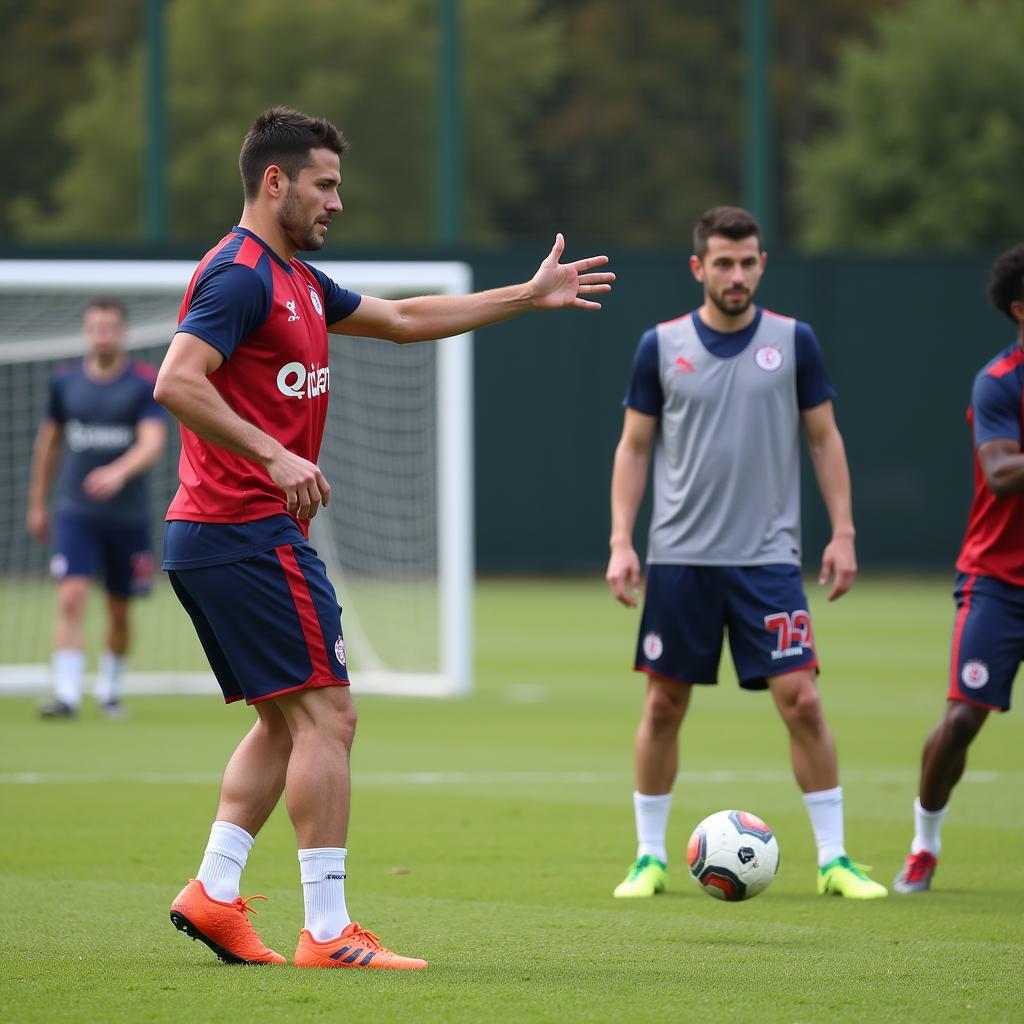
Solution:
(291, 500)
(588, 262)
(583, 304)
(557, 249)
(597, 278)
(325, 488)
(590, 289)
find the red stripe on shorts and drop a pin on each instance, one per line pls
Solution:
(306, 609)
(958, 632)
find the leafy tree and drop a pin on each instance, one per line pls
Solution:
(926, 148)
(45, 49)
(371, 71)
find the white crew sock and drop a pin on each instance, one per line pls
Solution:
(927, 829)
(322, 871)
(68, 669)
(225, 857)
(651, 822)
(825, 809)
(108, 679)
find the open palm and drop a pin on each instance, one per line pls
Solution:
(557, 285)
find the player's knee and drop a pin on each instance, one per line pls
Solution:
(962, 722)
(665, 708)
(801, 707)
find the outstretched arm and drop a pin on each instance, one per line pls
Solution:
(425, 318)
(629, 480)
(828, 454)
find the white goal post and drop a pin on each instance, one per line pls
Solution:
(397, 538)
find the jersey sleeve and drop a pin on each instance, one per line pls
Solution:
(644, 393)
(996, 408)
(812, 384)
(338, 302)
(229, 303)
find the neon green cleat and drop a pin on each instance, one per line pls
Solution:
(646, 877)
(841, 877)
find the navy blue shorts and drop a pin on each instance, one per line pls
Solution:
(762, 607)
(83, 545)
(988, 641)
(269, 625)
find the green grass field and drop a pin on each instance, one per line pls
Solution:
(487, 835)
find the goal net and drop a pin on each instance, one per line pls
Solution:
(397, 451)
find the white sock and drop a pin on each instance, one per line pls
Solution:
(322, 871)
(927, 828)
(108, 679)
(225, 857)
(651, 822)
(68, 669)
(825, 809)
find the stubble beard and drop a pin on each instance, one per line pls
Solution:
(293, 223)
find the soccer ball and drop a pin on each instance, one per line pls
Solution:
(733, 855)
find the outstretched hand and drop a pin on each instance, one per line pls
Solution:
(558, 285)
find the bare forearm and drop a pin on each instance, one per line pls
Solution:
(833, 475)
(629, 479)
(429, 317)
(45, 457)
(1007, 476)
(198, 405)
(138, 458)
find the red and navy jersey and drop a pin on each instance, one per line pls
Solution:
(99, 421)
(269, 320)
(994, 542)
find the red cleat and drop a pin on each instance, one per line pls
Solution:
(354, 947)
(224, 927)
(916, 875)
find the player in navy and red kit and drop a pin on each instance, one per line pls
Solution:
(247, 376)
(105, 429)
(988, 631)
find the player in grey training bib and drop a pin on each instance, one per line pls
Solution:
(720, 395)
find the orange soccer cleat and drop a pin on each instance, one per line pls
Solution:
(224, 927)
(354, 947)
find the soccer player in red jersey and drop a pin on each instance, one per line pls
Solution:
(247, 376)
(988, 632)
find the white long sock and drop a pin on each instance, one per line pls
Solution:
(108, 679)
(651, 823)
(825, 809)
(322, 871)
(927, 829)
(68, 670)
(226, 854)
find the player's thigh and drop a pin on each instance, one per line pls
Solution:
(681, 627)
(770, 630)
(988, 641)
(77, 547)
(127, 556)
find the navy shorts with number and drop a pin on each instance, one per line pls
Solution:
(762, 607)
(83, 545)
(269, 624)
(988, 641)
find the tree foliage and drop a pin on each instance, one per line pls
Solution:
(926, 148)
(371, 71)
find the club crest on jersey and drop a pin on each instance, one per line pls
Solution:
(653, 647)
(294, 380)
(315, 299)
(769, 358)
(290, 304)
(974, 674)
(339, 650)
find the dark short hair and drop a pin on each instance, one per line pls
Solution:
(1006, 280)
(284, 137)
(731, 221)
(106, 302)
